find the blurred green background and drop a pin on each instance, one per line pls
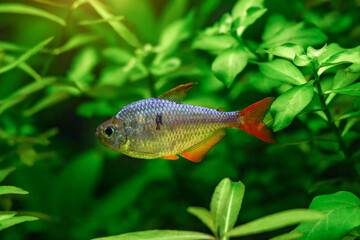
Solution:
(51, 104)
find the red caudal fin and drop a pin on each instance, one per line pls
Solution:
(252, 120)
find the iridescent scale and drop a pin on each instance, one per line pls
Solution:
(156, 127)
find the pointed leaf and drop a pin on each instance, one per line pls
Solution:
(214, 42)
(352, 90)
(160, 235)
(288, 236)
(275, 221)
(204, 215)
(289, 104)
(12, 190)
(15, 220)
(32, 51)
(75, 42)
(282, 70)
(18, 8)
(219, 199)
(6, 215)
(118, 27)
(229, 64)
(5, 172)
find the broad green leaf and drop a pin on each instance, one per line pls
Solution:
(289, 104)
(229, 64)
(302, 60)
(214, 43)
(288, 236)
(11, 190)
(262, 83)
(117, 55)
(341, 211)
(75, 42)
(82, 67)
(27, 155)
(354, 68)
(5, 172)
(166, 66)
(278, 31)
(282, 70)
(18, 8)
(342, 79)
(276, 221)
(6, 215)
(315, 53)
(204, 215)
(352, 235)
(23, 92)
(347, 56)
(219, 200)
(25, 56)
(286, 50)
(232, 207)
(245, 13)
(118, 27)
(352, 90)
(160, 235)
(15, 220)
(172, 35)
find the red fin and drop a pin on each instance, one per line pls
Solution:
(198, 152)
(177, 94)
(171, 157)
(252, 120)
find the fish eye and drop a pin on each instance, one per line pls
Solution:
(109, 131)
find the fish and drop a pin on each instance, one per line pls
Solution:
(163, 127)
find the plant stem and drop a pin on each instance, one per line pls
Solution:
(330, 119)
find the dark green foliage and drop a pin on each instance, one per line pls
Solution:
(67, 66)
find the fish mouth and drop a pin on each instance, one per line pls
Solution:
(98, 130)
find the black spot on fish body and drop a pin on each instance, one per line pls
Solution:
(158, 120)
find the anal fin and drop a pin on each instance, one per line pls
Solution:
(171, 157)
(197, 152)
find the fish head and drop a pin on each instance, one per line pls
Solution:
(111, 134)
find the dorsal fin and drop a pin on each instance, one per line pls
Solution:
(177, 94)
(197, 152)
(221, 109)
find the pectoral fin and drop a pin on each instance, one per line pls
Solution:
(198, 152)
(177, 94)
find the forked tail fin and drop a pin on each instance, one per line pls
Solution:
(252, 120)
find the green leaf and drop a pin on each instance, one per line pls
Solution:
(117, 55)
(289, 104)
(286, 50)
(166, 66)
(232, 207)
(341, 211)
(342, 79)
(5, 172)
(18, 8)
(12, 190)
(6, 215)
(22, 93)
(172, 35)
(213, 43)
(15, 220)
(352, 90)
(246, 12)
(23, 66)
(219, 200)
(278, 31)
(204, 215)
(288, 236)
(229, 64)
(347, 56)
(282, 70)
(75, 42)
(354, 68)
(160, 235)
(275, 221)
(32, 51)
(82, 67)
(118, 27)
(47, 101)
